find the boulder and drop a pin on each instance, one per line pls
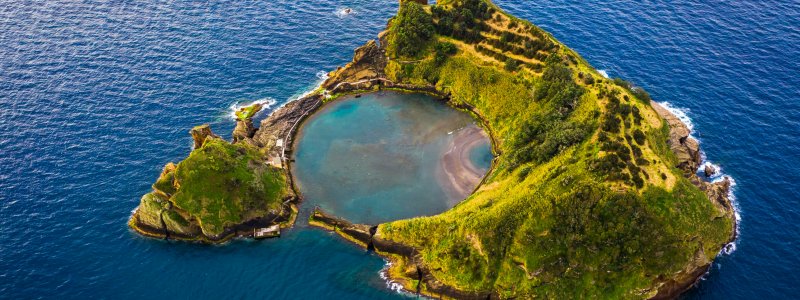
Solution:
(709, 170)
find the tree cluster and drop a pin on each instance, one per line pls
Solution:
(410, 31)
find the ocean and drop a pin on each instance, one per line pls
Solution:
(96, 96)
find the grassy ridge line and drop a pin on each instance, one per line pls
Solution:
(599, 212)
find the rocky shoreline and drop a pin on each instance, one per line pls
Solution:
(276, 135)
(687, 151)
(186, 227)
(365, 74)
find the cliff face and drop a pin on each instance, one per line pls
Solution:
(365, 70)
(221, 190)
(589, 198)
(687, 153)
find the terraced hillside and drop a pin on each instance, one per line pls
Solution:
(592, 194)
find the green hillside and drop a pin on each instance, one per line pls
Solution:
(584, 199)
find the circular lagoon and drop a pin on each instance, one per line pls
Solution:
(388, 156)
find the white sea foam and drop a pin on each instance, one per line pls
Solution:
(683, 115)
(393, 285)
(344, 12)
(321, 77)
(603, 72)
(265, 102)
(731, 247)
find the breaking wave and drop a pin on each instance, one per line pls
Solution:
(344, 12)
(394, 285)
(321, 77)
(719, 174)
(265, 102)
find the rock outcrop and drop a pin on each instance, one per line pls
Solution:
(244, 123)
(685, 147)
(207, 197)
(709, 171)
(687, 152)
(367, 65)
(200, 134)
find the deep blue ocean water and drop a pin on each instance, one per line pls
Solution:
(96, 96)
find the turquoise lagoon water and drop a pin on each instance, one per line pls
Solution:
(96, 96)
(376, 158)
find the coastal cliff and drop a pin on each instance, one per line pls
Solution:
(221, 190)
(595, 193)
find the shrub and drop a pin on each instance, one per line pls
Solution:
(443, 50)
(557, 87)
(639, 137)
(611, 123)
(511, 65)
(542, 138)
(410, 30)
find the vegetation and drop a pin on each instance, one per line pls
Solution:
(584, 200)
(247, 112)
(223, 184)
(219, 185)
(410, 31)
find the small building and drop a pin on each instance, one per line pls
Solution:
(267, 232)
(279, 143)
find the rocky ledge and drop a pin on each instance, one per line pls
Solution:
(222, 190)
(687, 151)
(365, 73)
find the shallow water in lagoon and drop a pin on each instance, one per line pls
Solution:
(377, 158)
(96, 96)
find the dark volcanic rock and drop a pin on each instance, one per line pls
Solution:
(244, 124)
(709, 170)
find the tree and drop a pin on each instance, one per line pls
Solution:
(410, 30)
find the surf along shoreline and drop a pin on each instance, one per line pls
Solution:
(365, 74)
(405, 265)
(277, 134)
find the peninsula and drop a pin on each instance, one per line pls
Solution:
(593, 192)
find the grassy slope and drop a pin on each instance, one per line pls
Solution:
(223, 184)
(566, 222)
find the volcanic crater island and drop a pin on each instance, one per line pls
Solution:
(478, 155)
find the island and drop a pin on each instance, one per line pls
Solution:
(594, 190)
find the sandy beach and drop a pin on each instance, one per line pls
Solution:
(457, 173)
